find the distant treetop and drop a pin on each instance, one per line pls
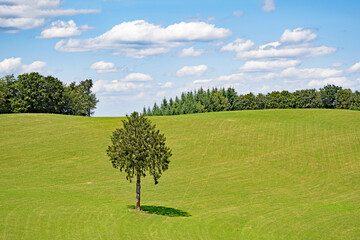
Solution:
(214, 100)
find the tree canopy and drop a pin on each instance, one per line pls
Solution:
(34, 93)
(137, 149)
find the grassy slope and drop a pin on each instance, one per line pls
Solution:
(274, 174)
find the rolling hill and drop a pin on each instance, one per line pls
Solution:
(269, 174)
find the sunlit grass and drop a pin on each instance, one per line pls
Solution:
(272, 174)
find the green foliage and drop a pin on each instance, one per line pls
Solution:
(6, 91)
(308, 98)
(328, 95)
(215, 100)
(355, 104)
(345, 99)
(34, 93)
(219, 102)
(138, 148)
(248, 102)
(37, 94)
(79, 100)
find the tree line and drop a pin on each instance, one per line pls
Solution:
(214, 100)
(34, 93)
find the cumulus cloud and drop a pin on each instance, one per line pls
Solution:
(293, 44)
(20, 23)
(310, 73)
(137, 77)
(10, 65)
(104, 67)
(37, 66)
(113, 86)
(354, 68)
(18, 15)
(167, 85)
(298, 35)
(250, 66)
(192, 71)
(140, 39)
(239, 45)
(130, 82)
(339, 81)
(269, 6)
(190, 52)
(61, 29)
(15, 66)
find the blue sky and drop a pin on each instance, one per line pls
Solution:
(140, 51)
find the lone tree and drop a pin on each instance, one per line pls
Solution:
(138, 148)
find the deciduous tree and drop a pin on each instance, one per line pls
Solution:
(138, 148)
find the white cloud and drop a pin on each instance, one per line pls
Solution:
(61, 29)
(216, 44)
(270, 51)
(297, 35)
(293, 44)
(192, 71)
(264, 88)
(104, 67)
(113, 86)
(310, 73)
(140, 38)
(232, 77)
(202, 81)
(137, 77)
(238, 45)
(126, 84)
(269, 6)
(37, 66)
(37, 3)
(270, 45)
(354, 68)
(223, 78)
(15, 66)
(27, 14)
(268, 65)
(287, 52)
(21, 23)
(167, 85)
(236, 78)
(190, 52)
(238, 13)
(141, 53)
(339, 81)
(10, 65)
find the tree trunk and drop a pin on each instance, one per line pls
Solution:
(137, 206)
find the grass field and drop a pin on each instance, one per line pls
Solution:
(270, 174)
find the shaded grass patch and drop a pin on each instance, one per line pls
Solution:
(164, 211)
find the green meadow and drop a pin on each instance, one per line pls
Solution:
(267, 174)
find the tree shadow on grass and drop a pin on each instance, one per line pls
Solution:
(160, 210)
